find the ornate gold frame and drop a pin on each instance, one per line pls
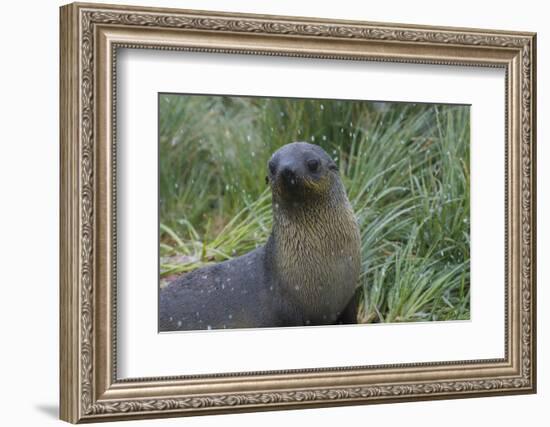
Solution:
(90, 36)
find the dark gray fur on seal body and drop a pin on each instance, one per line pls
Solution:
(306, 273)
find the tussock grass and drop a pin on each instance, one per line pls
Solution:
(405, 167)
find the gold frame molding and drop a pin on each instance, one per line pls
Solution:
(89, 39)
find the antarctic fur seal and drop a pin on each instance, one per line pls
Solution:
(306, 273)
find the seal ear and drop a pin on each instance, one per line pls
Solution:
(332, 166)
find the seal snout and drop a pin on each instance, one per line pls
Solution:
(289, 176)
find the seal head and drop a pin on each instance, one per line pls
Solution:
(300, 172)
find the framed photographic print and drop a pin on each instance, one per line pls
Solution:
(265, 212)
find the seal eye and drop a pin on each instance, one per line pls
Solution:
(272, 167)
(313, 165)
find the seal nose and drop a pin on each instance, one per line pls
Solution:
(289, 175)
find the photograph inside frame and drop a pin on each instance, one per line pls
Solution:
(281, 212)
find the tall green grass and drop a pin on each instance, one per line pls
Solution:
(405, 167)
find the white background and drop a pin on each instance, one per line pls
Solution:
(144, 73)
(29, 171)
